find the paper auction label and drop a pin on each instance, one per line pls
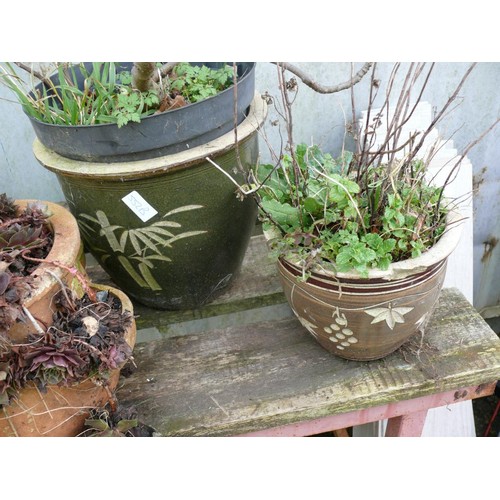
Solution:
(139, 206)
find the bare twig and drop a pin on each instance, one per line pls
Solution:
(443, 110)
(324, 89)
(235, 116)
(33, 321)
(287, 106)
(164, 71)
(462, 156)
(71, 270)
(34, 72)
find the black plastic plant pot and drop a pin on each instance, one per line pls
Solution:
(156, 135)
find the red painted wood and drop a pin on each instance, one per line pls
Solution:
(416, 408)
(406, 425)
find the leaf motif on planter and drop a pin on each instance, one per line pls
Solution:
(391, 315)
(308, 325)
(148, 243)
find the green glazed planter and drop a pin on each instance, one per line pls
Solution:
(170, 231)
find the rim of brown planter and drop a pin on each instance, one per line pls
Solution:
(62, 411)
(396, 270)
(67, 251)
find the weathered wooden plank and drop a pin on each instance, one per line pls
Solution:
(374, 414)
(244, 378)
(256, 285)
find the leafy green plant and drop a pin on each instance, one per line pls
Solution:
(196, 83)
(370, 206)
(322, 209)
(121, 421)
(109, 93)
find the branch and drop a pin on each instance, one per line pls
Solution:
(34, 72)
(322, 89)
(462, 156)
(443, 110)
(71, 270)
(142, 73)
(164, 70)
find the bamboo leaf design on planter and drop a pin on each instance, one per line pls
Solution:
(146, 274)
(134, 274)
(147, 242)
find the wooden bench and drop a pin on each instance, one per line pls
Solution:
(243, 365)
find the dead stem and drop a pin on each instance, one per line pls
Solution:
(113, 403)
(44, 403)
(71, 270)
(324, 89)
(63, 289)
(33, 321)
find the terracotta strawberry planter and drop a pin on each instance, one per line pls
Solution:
(66, 255)
(61, 411)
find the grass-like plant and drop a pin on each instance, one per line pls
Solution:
(110, 93)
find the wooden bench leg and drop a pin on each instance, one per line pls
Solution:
(406, 425)
(344, 433)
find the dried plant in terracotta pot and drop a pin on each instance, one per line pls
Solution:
(50, 383)
(40, 246)
(62, 344)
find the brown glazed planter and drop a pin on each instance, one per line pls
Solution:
(67, 252)
(366, 319)
(61, 412)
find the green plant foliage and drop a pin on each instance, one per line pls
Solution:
(120, 422)
(196, 83)
(325, 209)
(107, 95)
